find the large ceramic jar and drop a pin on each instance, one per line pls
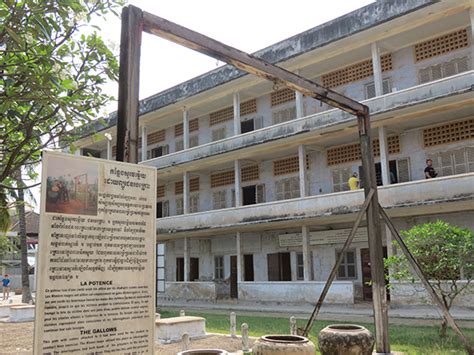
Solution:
(345, 339)
(203, 352)
(283, 345)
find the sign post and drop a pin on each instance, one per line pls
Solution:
(96, 279)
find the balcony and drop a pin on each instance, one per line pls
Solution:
(440, 195)
(454, 90)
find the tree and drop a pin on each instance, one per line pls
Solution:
(52, 68)
(444, 253)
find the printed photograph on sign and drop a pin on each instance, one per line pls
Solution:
(72, 186)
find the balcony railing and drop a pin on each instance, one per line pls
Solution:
(445, 194)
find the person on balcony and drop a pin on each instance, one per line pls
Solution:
(430, 172)
(353, 181)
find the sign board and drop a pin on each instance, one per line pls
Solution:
(335, 236)
(96, 258)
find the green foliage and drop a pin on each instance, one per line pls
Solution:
(445, 254)
(52, 68)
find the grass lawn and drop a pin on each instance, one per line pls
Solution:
(413, 340)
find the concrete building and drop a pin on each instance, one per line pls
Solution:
(253, 201)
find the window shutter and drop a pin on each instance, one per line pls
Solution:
(194, 203)
(232, 194)
(425, 75)
(470, 158)
(459, 160)
(462, 64)
(179, 145)
(258, 122)
(179, 206)
(446, 165)
(336, 181)
(403, 169)
(260, 193)
(449, 68)
(346, 174)
(370, 91)
(193, 141)
(284, 115)
(218, 134)
(166, 149)
(436, 72)
(166, 208)
(386, 86)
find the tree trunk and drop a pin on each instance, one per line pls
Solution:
(444, 328)
(25, 281)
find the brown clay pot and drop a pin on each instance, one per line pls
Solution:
(203, 352)
(345, 339)
(283, 345)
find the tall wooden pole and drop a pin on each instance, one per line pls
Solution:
(129, 79)
(375, 237)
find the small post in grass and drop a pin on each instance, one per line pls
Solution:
(182, 313)
(245, 338)
(293, 330)
(233, 325)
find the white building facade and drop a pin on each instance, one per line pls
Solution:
(253, 202)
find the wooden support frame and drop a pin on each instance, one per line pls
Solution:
(134, 21)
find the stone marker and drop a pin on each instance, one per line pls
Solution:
(293, 328)
(182, 313)
(245, 337)
(185, 341)
(233, 325)
(157, 316)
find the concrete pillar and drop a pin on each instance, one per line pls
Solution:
(185, 341)
(302, 167)
(237, 186)
(233, 325)
(185, 193)
(293, 327)
(377, 68)
(185, 128)
(471, 13)
(144, 142)
(384, 159)
(109, 149)
(238, 247)
(245, 338)
(186, 260)
(299, 102)
(236, 113)
(306, 253)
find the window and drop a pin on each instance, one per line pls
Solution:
(219, 199)
(443, 70)
(162, 209)
(158, 152)
(282, 96)
(179, 269)
(193, 269)
(279, 267)
(452, 162)
(193, 141)
(219, 268)
(284, 115)
(287, 188)
(370, 88)
(299, 266)
(449, 133)
(248, 268)
(340, 178)
(222, 178)
(218, 134)
(347, 269)
(251, 124)
(178, 145)
(253, 194)
(249, 173)
(179, 206)
(194, 203)
(160, 267)
(399, 171)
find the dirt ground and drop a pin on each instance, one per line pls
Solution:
(17, 339)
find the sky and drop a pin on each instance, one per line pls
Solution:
(248, 25)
